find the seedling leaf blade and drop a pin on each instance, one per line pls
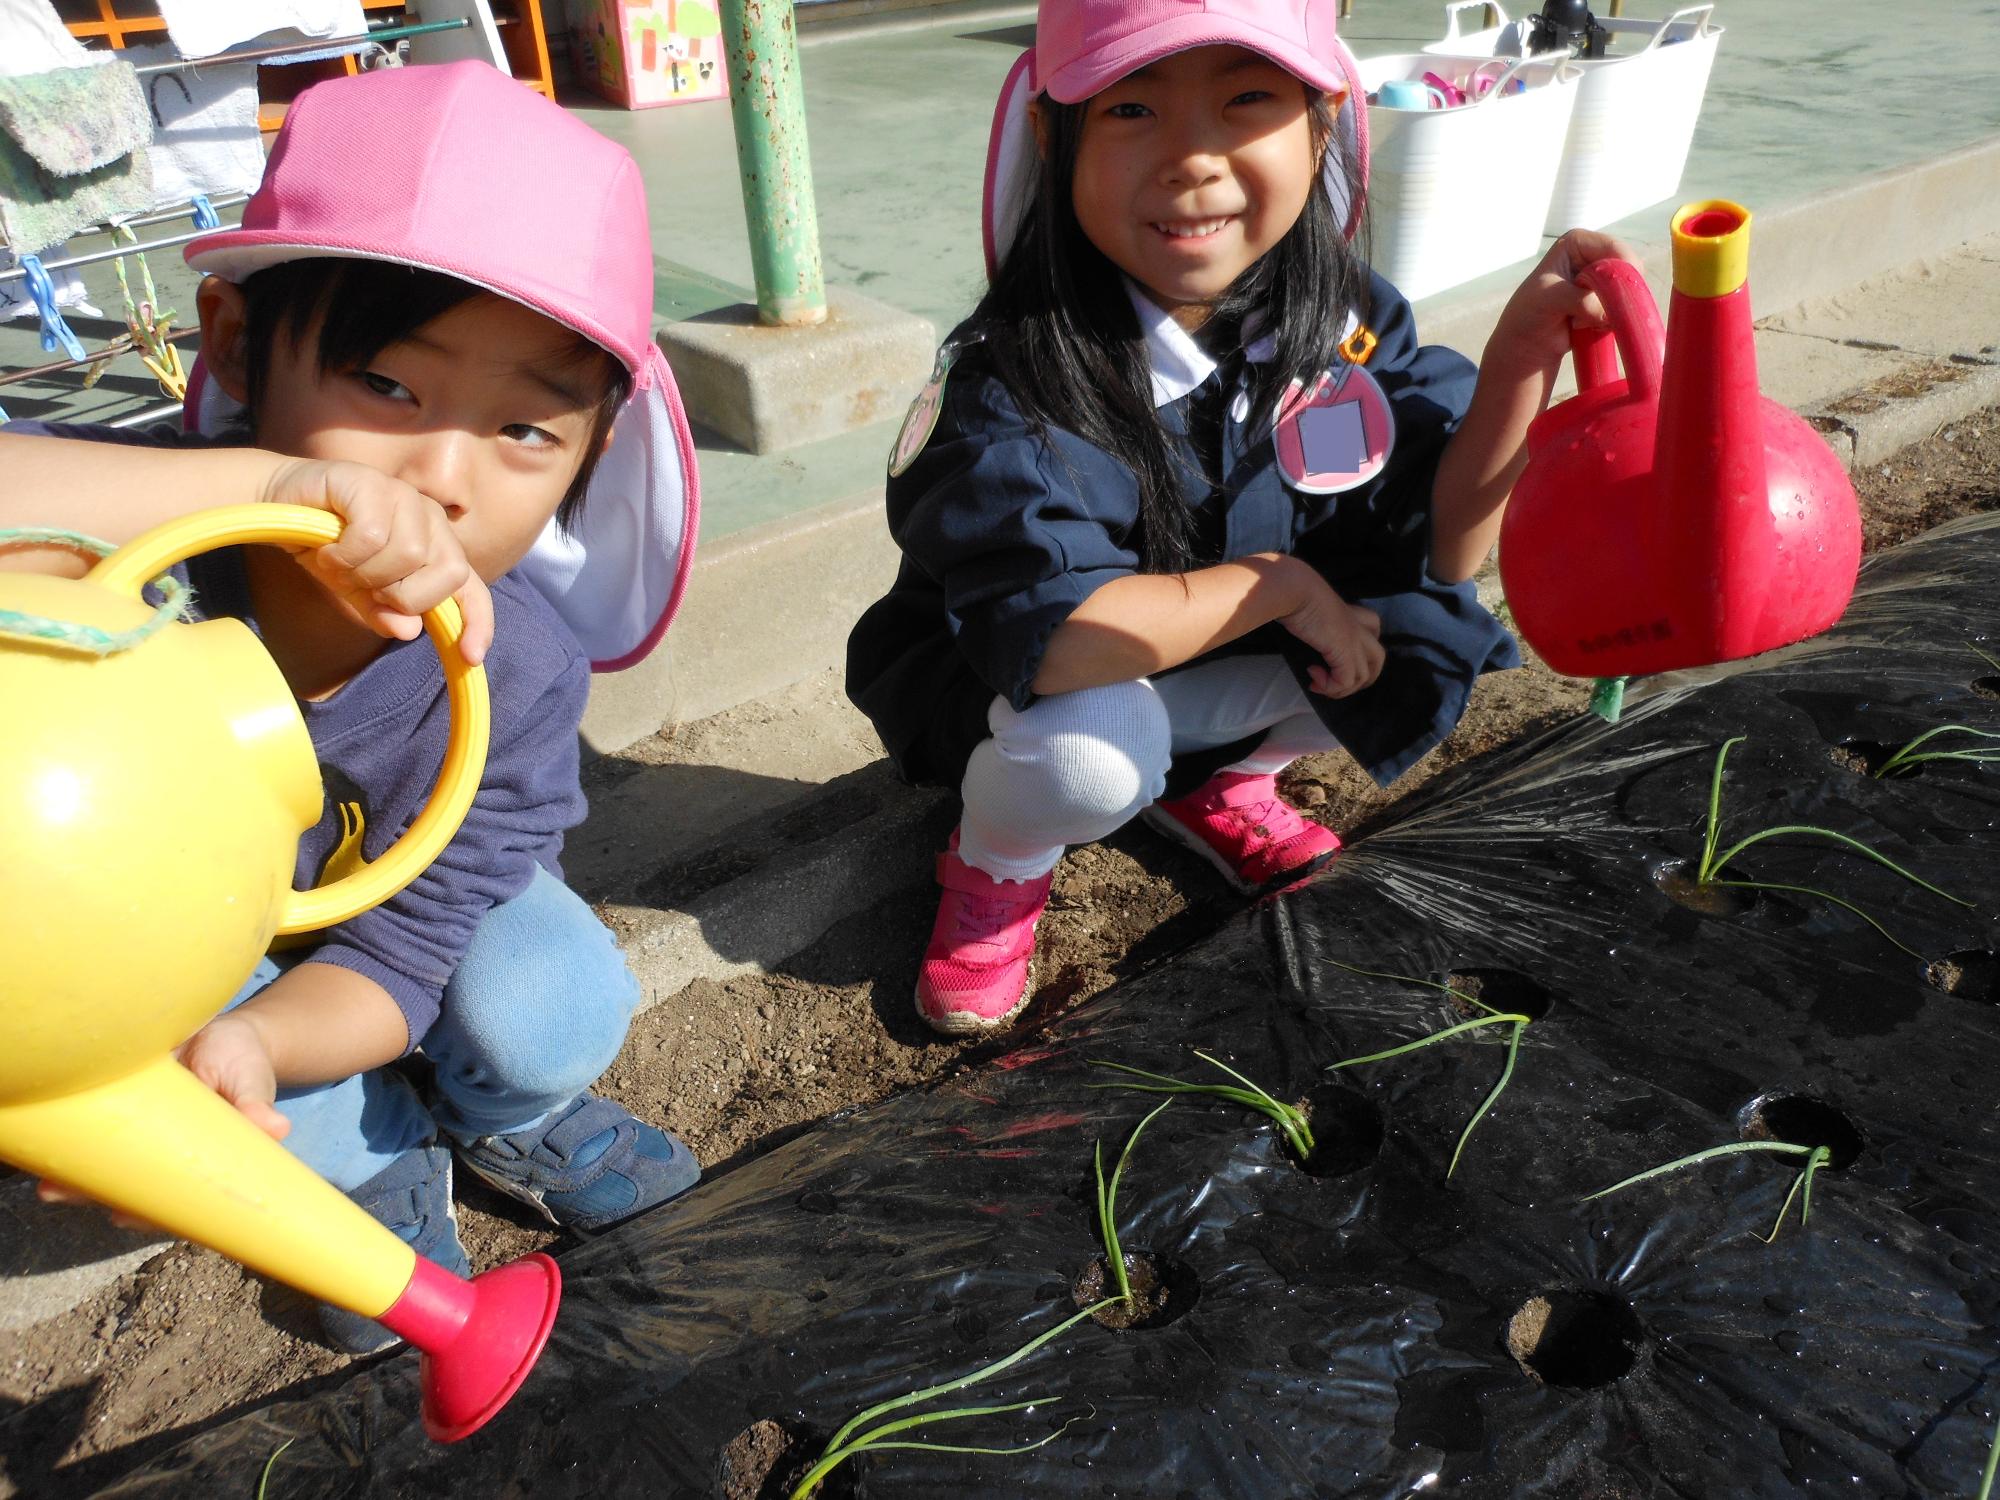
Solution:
(896, 1403)
(1698, 1157)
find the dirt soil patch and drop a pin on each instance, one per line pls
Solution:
(734, 1068)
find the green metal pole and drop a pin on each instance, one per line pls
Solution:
(767, 104)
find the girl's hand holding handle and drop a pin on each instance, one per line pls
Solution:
(397, 555)
(1532, 335)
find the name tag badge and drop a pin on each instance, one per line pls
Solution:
(921, 420)
(1336, 435)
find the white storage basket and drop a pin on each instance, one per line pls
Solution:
(1635, 111)
(1455, 193)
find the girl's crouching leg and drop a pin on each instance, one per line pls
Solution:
(1069, 769)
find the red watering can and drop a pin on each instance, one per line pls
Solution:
(1675, 517)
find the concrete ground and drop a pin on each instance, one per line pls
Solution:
(733, 752)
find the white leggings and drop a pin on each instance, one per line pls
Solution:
(1075, 766)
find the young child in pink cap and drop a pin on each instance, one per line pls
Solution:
(1185, 498)
(435, 321)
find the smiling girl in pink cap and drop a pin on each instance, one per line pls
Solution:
(435, 321)
(1185, 498)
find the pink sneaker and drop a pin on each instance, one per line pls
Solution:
(1238, 823)
(974, 977)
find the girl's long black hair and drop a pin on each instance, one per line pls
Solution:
(1065, 341)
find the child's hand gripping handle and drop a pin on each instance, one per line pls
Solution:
(1635, 337)
(146, 557)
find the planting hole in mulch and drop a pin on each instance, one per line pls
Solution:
(1676, 880)
(1576, 1339)
(1986, 687)
(1801, 1120)
(1973, 974)
(1164, 1290)
(1346, 1131)
(767, 1459)
(1867, 757)
(1504, 990)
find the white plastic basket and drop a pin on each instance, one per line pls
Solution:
(1455, 193)
(1635, 110)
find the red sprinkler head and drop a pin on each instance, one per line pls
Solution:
(479, 1338)
(1676, 517)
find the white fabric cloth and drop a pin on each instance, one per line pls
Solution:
(1075, 767)
(1179, 364)
(33, 39)
(201, 28)
(205, 136)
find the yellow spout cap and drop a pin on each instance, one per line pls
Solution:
(1711, 248)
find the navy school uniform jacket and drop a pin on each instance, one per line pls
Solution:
(1005, 530)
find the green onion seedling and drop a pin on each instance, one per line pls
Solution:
(1493, 1017)
(1907, 756)
(851, 1439)
(269, 1463)
(1289, 1118)
(1107, 1205)
(1816, 1157)
(1712, 863)
(1993, 1453)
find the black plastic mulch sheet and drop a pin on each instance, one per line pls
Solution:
(1351, 1331)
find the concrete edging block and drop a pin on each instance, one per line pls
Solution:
(775, 388)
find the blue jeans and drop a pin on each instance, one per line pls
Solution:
(536, 1011)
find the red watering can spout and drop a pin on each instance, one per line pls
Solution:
(1675, 517)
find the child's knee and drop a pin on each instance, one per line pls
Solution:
(543, 991)
(1102, 751)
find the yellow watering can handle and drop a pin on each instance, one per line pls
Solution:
(144, 558)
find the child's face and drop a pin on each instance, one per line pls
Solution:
(1191, 168)
(478, 409)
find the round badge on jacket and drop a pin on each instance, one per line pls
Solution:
(1336, 435)
(921, 420)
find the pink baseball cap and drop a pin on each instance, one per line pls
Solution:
(459, 169)
(1084, 46)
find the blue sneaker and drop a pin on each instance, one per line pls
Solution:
(586, 1166)
(412, 1197)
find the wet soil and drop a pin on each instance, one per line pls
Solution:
(735, 1067)
(768, 1459)
(1162, 1291)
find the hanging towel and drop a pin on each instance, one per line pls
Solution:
(205, 137)
(74, 120)
(202, 28)
(33, 39)
(72, 151)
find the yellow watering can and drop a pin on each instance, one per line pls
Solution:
(151, 803)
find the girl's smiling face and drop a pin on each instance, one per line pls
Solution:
(1191, 168)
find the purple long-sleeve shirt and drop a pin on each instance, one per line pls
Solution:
(380, 741)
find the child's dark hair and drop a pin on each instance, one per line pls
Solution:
(363, 306)
(1066, 343)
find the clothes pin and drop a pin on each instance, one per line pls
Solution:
(55, 332)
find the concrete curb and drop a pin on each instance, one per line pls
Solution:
(753, 923)
(1865, 429)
